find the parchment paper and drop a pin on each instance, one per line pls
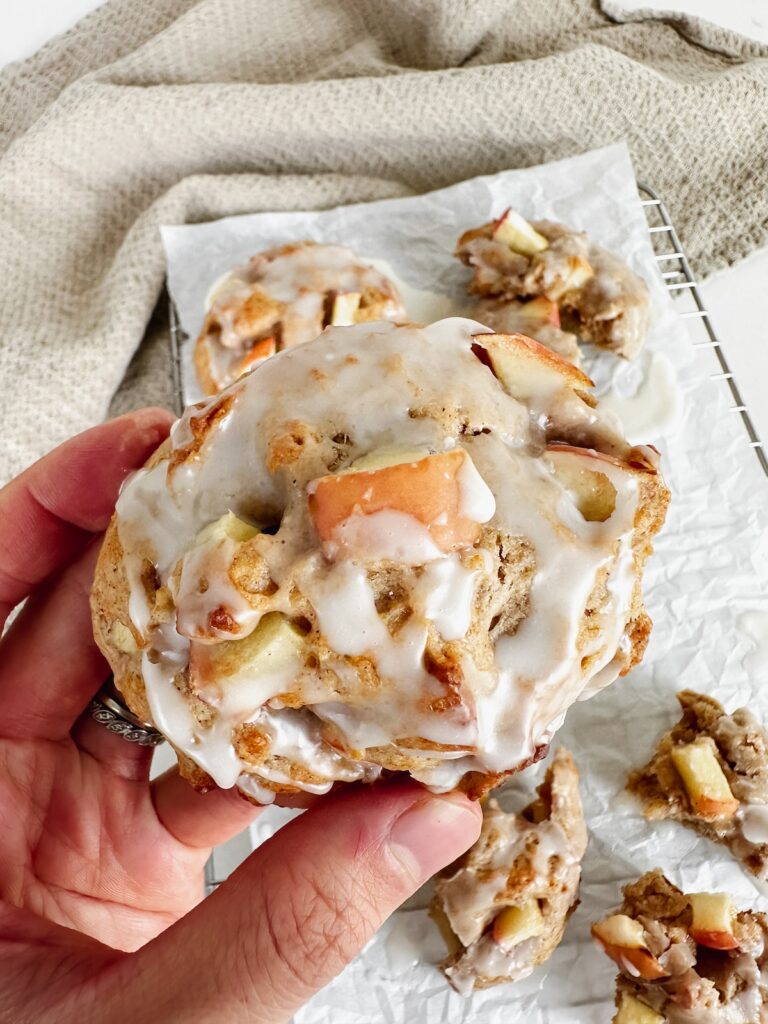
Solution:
(705, 587)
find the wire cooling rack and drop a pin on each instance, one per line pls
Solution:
(678, 278)
(682, 285)
(679, 281)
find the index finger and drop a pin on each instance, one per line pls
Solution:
(53, 508)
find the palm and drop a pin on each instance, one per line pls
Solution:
(71, 847)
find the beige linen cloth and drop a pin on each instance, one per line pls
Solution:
(168, 111)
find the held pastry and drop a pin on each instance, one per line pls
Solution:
(598, 295)
(391, 549)
(503, 906)
(710, 772)
(685, 959)
(285, 296)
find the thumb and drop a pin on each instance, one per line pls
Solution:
(301, 906)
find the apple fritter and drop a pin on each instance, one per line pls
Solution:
(390, 549)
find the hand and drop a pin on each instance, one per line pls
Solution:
(101, 870)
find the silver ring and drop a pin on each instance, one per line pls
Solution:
(110, 712)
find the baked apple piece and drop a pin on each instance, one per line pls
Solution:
(432, 488)
(537, 318)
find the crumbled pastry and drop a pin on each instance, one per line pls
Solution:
(711, 773)
(285, 296)
(389, 549)
(504, 904)
(685, 959)
(600, 298)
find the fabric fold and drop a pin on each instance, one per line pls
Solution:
(174, 111)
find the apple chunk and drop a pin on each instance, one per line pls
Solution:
(578, 470)
(229, 526)
(430, 488)
(713, 917)
(261, 350)
(632, 1011)
(242, 674)
(344, 307)
(516, 924)
(515, 231)
(542, 311)
(704, 779)
(579, 272)
(623, 939)
(527, 369)
(536, 313)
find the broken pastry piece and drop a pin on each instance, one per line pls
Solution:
(285, 296)
(503, 906)
(685, 959)
(711, 773)
(600, 298)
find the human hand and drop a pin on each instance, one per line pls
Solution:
(101, 870)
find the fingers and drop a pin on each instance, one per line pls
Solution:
(200, 819)
(50, 666)
(124, 759)
(49, 512)
(301, 906)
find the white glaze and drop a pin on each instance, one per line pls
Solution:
(648, 407)
(753, 822)
(209, 561)
(385, 535)
(476, 500)
(443, 594)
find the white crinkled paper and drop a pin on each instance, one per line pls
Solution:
(706, 587)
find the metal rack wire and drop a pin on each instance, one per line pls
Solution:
(680, 282)
(678, 278)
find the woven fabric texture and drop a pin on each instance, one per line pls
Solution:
(171, 111)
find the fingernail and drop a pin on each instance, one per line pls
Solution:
(433, 832)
